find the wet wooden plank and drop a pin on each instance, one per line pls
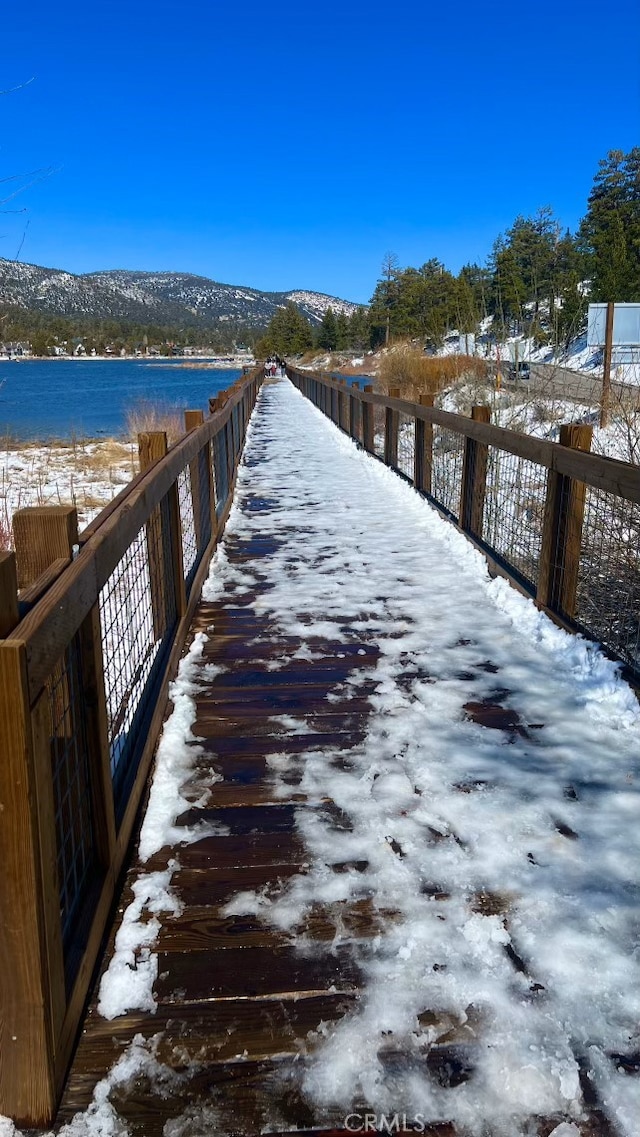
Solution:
(234, 852)
(251, 973)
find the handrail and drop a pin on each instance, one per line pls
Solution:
(561, 523)
(47, 628)
(598, 470)
(83, 682)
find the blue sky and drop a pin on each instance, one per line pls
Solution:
(286, 145)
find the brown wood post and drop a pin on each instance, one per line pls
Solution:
(32, 990)
(192, 420)
(42, 534)
(60, 528)
(8, 594)
(368, 438)
(391, 422)
(423, 450)
(342, 406)
(353, 412)
(605, 403)
(562, 530)
(474, 478)
(42, 537)
(151, 447)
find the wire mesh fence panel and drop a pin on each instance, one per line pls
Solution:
(355, 411)
(221, 470)
(513, 513)
(406, 444)
(76, 851)
(608, 584)
(378, 431)
(138, 614)
(446, 468)
(188, 526)
(203, 511)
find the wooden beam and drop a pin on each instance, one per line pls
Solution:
(474, 478)
(43, 534)
(27, 1078)
(423, 449)
(8, 594)
(562, 530)
(368, 440)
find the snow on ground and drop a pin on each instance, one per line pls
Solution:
(477, 840)
(372, 548)
(85, 474)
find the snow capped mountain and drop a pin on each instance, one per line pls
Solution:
(152, 297)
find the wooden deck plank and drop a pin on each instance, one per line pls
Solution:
(241, 1004)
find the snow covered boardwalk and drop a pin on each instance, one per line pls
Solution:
(389, 863)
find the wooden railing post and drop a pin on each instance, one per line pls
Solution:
(423, 450)
(200, 495)
(342, 406)
(31, 965)
(353, 412)
(474, 478)
(391, 421)
(562, 530)
(32, 992)
(368, 439)
(153, 446)
(8, 594)
(42, 534)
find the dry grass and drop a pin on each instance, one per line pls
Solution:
(146, 417)
(416, 374)
(6, 532)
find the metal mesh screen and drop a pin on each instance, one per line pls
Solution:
(203, 497)
(138, 614)
(406, 444)
(608, 586)
(513, 514)
(221, 469)
(378, 431)
(446, 472)
(187, 525)
(71, 787)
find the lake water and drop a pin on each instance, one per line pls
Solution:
(89, 398)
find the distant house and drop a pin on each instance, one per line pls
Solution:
(79, 349)
(13, 350)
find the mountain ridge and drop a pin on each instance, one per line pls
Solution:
(153, 297)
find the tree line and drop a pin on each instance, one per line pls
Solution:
(538, 280)
(46, 332)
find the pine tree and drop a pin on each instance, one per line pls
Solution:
(342, 332)
(328, 331)
(610, 231)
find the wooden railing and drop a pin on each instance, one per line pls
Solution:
(88, 647)
(561, 523)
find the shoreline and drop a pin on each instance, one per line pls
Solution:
(224, 364)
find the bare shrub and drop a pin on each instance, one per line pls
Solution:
(147, 417)
(417, 374)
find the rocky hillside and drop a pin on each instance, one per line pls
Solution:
(151, 297)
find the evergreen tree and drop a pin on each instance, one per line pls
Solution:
(359, 329)
(328, 331)
(288, 333)
(610, 231)
(342, 332)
